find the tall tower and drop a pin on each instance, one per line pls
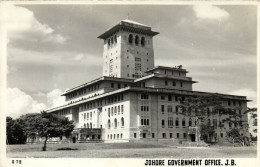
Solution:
(128, 50)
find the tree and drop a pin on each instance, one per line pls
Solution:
(14, 131)
(199, 108)
(47, 125)
(239, 132)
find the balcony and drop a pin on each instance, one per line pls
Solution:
(192, 129)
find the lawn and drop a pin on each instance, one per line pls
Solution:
(127, 150)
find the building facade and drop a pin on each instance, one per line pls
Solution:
(134, 100)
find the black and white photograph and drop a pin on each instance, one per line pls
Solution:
(114, 83)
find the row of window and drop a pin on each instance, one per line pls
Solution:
(115, 136)
(122, 123)
(169, 97)
(144, 96)
(112, 85)
(171, 122)
(136, 40)
(88, 116)
(173, 83)
(111, 41)
(234, 103)
(115, 110)
(144, 108)
(64, 112)
(169, 109)
(88, 125)
(172, 72)
(83, 91)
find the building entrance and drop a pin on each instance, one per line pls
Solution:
(193, 137)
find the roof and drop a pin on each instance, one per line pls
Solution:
(167, 68)
(187, 79)
(147, 89)
(128, 25)
(96, 81)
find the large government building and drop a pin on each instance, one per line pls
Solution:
(134, 100)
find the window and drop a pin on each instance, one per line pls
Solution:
(178, 135)
(122, 122)
(91, 116)
(109, 124)
(130, 39)
(166, 83)
(221, 135)
(173, 83)
(176, 110)
(162, 108)
(169, 108)
(162, 97)
(112, 85)
(115, 123)
(108, 112)
(144, 96)
(87, 116)
(181, 84)
(134, 135)
(136, 39)
(183, 122)
(142, 41)
(122, 109)
(176, 98)
(215, 123)
(115, 39)
(190, 122)
(239, 103)
(144, 135)
(90, 125)
(170, 122)
(163, 123)
(111, 111)
(153, 135)
(84, 116)
(118, 110)
(177, 122)
(229, 103)
(163, 135)
(170, 135)
(169, 98)
(184, 135)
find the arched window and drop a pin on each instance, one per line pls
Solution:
(183, 122)
(108, 42)
(84, 125)
(136, 39)
(112, 41)
(142, 41)
(112, 111)
(118, 110)
(87, 125)
(90, 125)
(108, 124)
(177, 122)
(115, 123)
(190, 122)
(122, 122)
(108, 112)
(115, 39)
(130, 39)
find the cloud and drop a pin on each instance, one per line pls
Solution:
(251, 95)
(22, 24)
(18, 103)
(55, 99)
(210, 12)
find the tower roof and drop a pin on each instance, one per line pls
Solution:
(128, 25)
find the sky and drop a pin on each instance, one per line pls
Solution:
(52, 48)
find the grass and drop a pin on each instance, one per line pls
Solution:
(127, 150)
